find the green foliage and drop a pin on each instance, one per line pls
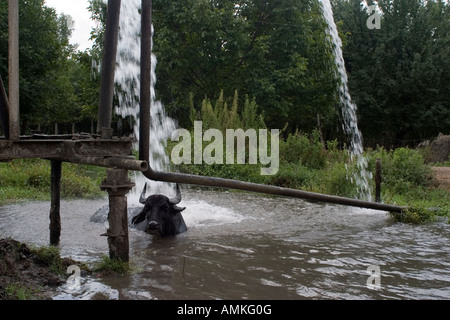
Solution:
(108, 266)
(408, 181)
(275, 52)
(306, 151)
(50, 257)
(30, 179)
(225, 115)
(20, 292)
(403, 169)
(335, 180)
(397, 75)
(56, 85)
(414, 215)
(44, 49)
(294, 176)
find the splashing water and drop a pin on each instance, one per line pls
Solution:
(128, 83)
(350, 124)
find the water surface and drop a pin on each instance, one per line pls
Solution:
(247, 246)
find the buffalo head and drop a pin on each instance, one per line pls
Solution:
(161, 214)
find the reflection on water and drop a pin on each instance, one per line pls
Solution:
(246, 246)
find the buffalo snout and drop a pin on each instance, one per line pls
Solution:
(153, 228)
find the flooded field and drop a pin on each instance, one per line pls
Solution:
(246, 246)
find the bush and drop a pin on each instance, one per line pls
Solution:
(335, 181)
(294, 176)
(303, 150)
(76, 184)
(414, 216)
(402, 169)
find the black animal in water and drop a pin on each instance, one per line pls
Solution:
(162, 216)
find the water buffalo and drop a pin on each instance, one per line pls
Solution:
(160, 215)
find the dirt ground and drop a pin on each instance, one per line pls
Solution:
(23, 275)
(442, 176)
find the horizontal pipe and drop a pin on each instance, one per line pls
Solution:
(120, 163)
(259, 188)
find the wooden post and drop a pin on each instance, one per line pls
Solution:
(55, 217)
(378, 181)
(118, 184)
(13, 69)
(4, 110)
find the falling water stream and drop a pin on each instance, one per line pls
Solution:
(349, 108)
(241, 245)
(128, 80)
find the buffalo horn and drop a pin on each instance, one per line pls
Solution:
(143, 199)
(177, 198)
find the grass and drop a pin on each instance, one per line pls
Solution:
(20, 291)
(110, 266)
(30, 179)
(415, 215)
(50, 256)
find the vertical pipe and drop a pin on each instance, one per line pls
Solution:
(55, 216)
(146, 56)
(13, 67)
(108, 65)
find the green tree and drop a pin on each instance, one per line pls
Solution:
(45, 93)
(399, 74)
(275, 52)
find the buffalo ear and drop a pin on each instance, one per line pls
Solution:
(139, 218)
(178, 209)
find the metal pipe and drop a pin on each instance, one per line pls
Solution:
(108, 66)
(13, 69)
(273, 190)
(146, 61)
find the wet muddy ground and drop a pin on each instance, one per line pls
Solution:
(22, 271)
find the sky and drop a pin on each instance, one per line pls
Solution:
(77, 9)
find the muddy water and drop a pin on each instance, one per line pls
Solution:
(246, 246)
